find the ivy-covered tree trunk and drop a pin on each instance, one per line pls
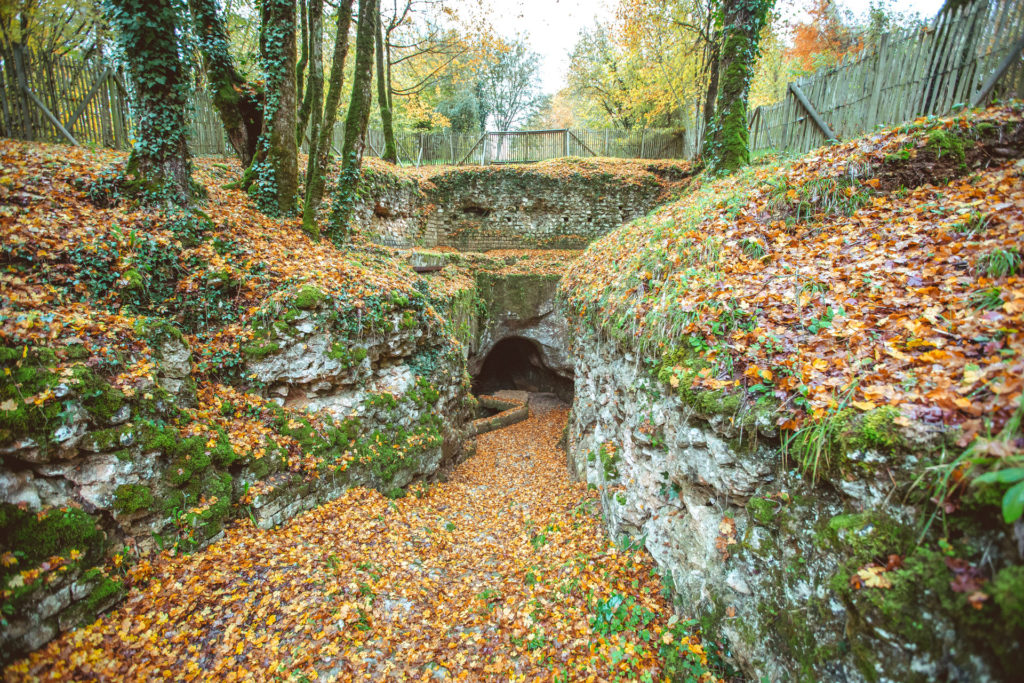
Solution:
(300, 67)
(239, 103)
(383, 97)
(312, 106)
(277, 172)
(726, 140)
(148, 31)
(320, 145)
(712, 92)
(356, 119)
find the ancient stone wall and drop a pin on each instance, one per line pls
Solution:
(512, 207)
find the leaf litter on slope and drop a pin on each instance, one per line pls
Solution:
(495, 574)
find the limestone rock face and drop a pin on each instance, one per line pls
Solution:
(379, 392)
(524, 306)
(765, 558)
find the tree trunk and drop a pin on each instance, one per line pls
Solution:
(712, 92)
(277, 172)
(356, 119)
(312, 105)
(390, 148)
(726, 141)
(238, 102)
(300, 68)
(320, 145)
(159, 163)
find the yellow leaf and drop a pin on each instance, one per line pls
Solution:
(863, 405)
(874, 577)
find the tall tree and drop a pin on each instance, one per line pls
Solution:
(356, 119)
(148, 31)
(508, 86)
(355, 123)
(277, 172)
(312, 105)
(239, 103)
(726, 141)
(320, 144)
(300, 67)
(384, 95)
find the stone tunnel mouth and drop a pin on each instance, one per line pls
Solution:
(518, 364)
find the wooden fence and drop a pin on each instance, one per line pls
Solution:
(446, 147)
(962, 59)
(63, 99)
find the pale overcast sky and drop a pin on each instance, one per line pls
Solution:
(551, 26)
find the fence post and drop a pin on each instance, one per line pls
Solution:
(876, 90)
(990, 82)
(641, 143)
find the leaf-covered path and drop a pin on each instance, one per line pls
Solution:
(504, 572)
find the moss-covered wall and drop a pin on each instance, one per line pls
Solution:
(334, 402)
(510, 207)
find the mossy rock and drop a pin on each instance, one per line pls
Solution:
(110, 439)
(308, 298)
(260, 350)
(130, 498)
(98, 397)
(921, 604)
(35, 537)
(763, 510)
(158, 331)
(864, 537)
(825, 447)
(945, 142)
(28, 371)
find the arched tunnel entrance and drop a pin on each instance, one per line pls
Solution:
(518, 363)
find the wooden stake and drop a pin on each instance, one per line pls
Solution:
(829, 135)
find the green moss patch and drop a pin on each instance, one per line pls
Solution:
(33, 538)
(308, 298)
(27, 372)
(130, 498)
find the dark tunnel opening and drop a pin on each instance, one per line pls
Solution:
(518, 363)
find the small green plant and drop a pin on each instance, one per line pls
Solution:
(988, 299)
(1000, 262)
(490, 597)
(618, 613)
(609, 461)
(972, 224)
(753, 248)
(825, 321)
(986, 452)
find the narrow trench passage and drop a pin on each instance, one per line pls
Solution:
(518, 364)
(503, 572)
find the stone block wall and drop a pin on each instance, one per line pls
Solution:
(508, 207)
